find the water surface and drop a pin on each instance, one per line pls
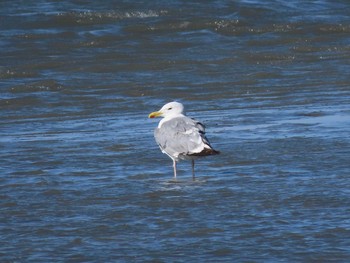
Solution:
(81, 178)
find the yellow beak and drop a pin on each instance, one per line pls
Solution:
(155, 114)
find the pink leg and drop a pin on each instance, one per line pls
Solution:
(174, 166)
(193, 177)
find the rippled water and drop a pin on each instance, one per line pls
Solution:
(81, 178)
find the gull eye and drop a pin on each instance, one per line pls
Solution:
(170, 108)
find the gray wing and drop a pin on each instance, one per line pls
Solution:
(181, 136)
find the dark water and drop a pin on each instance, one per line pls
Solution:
(81, 178)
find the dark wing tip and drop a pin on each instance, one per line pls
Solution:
(205, 152)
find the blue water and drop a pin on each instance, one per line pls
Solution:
(81, 177)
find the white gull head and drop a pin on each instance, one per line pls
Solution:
(168, 111)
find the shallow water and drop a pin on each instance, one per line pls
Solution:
(82, 179)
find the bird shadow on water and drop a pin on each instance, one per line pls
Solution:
(186, 182)
(166, 182)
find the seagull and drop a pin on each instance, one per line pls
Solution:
(180, 137)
